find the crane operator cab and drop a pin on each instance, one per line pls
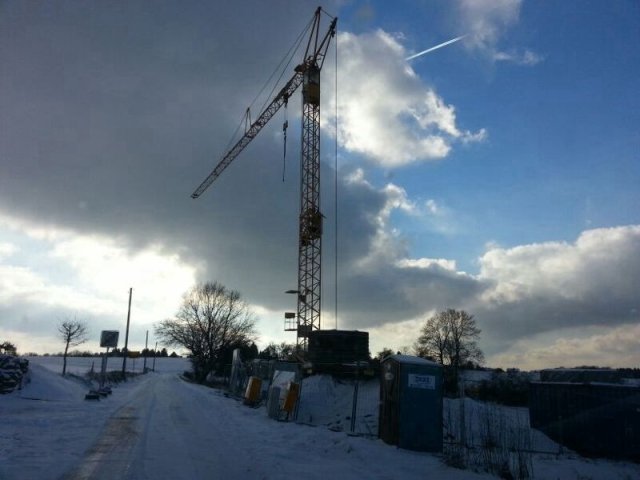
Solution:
(311, 85)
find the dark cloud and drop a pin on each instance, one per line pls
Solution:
(113, 114)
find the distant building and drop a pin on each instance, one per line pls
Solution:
(594, 419)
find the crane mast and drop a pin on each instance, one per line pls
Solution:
(306, 74)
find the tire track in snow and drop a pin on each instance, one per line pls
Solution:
(111, 455)
(172, 429)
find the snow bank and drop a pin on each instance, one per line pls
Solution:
(48, 386)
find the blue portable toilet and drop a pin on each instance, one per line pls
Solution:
(411, 403)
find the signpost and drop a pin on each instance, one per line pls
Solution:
(108, 339)
(146, 352)
(126, 339)
(155, 354)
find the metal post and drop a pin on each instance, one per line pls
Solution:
(155, 353)
(146, 352)
(354, 407)
(103, 369)
(463, 420)
(126, 339)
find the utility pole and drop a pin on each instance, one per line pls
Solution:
(125, 352)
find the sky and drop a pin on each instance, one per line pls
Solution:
(497, 174)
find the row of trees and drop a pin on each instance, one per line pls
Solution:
(213, 321)
(74, 332)
(145, 352)
(282, 351)
(116, 352)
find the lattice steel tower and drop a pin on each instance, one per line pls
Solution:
(306, 74)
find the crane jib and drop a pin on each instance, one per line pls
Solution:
(282, 98)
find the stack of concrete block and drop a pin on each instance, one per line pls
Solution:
(13, 371)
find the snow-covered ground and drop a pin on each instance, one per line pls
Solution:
(157, 426)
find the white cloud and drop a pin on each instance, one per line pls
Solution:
(386, 244)
(18, 282)
(487, 20)
(101, 265)
(439, 218)
(7, 249)
(526, 58)
(540, 293)
(395, 335)
(245, 230)
(470, 137)
(486, 23)
(378, 276)
(433, 207)
(41, 231)
(385, 110)
(616, 347)
(61, 273)
(427, 263)
(561, 270)
(528, 299)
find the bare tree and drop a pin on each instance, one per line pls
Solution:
(433, 342)
(73, 333)
(450, 338)
(210, 320)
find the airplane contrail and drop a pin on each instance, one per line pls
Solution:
(448, 42)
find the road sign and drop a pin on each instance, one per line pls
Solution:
(109, 338)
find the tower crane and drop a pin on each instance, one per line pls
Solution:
(306, 74)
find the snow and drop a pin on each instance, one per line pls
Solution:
(409, 359)
(158, 426)
(328, 402)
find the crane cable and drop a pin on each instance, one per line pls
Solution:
(282, 66)
(336, 183)
(285, 125)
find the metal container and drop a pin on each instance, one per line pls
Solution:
(411, 403)
(338, 346)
